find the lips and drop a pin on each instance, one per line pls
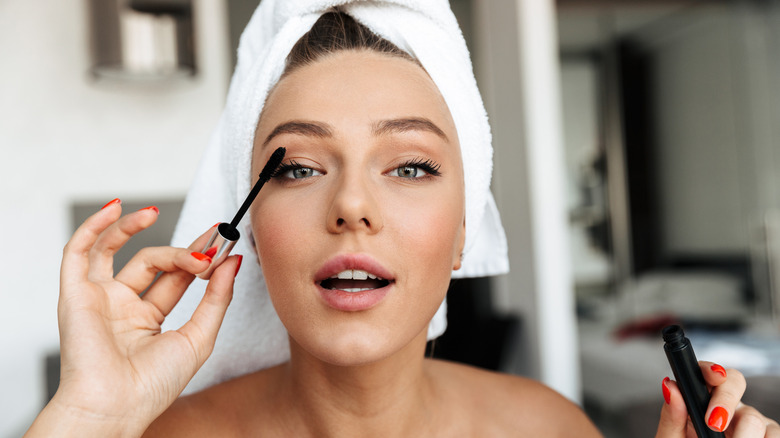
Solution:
(353, 282)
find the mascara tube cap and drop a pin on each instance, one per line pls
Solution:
(223, 238)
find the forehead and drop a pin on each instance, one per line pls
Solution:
(356, 88)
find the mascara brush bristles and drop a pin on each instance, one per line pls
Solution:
(268, 171)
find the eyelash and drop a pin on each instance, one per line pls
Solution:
(286, 167)
(430, 167)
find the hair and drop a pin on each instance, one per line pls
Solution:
(336, 31)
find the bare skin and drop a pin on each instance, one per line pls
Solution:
(359, 188)
(463, 401)
(364, 373)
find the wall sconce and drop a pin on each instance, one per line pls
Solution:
(142, 40)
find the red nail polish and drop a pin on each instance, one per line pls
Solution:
(665, 390)
(216, 224)
(200, 256)
(211, 251)
(719, 369)
(238, 266)
(718, 419)
(111, 202)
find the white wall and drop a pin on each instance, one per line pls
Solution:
(699, 141)
(716, 123)
(65, 138)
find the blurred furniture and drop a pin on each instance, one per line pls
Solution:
(622, 357)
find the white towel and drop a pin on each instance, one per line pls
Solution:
(252, 337)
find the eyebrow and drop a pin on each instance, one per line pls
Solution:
(312, 129)
(323, 130)
(406, 125)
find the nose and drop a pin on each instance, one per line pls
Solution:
(354, 206)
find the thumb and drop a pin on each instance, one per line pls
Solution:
(674, 415)
(201, 330)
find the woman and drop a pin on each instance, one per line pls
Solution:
(357, 236)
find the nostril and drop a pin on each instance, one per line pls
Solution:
(341, 222)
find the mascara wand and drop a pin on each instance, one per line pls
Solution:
(225, 236)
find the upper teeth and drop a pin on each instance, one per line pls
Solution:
(355, 274)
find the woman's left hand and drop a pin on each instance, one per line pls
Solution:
(725, 412)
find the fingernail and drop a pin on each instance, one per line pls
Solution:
(112, 202)
(200, 256)
(211, 251)
(665, 390)
(719, 369)
(216, 224)
(153, 208)
(718, 419)
(238, 266)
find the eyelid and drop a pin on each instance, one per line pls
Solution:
(428, 165)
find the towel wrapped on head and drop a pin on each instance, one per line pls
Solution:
(252, 337)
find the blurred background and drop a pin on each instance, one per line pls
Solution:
(637, 168)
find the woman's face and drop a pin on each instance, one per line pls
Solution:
(371, 186)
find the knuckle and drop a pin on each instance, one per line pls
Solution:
(181, 280)
(738, 378)
(146, 253)
(71, 248)
(149, 255)
(751, 419)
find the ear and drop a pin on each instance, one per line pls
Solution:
(457, 256)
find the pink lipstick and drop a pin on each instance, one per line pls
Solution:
(353, 282)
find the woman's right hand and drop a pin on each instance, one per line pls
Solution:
(119, 372)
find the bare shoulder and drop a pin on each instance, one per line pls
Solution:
(512, 405)
(207, 413)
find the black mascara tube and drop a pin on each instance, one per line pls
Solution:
(225, 235)
(689, 379)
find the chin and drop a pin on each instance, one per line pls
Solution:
(355, 347)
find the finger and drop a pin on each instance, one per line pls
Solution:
(169, 288)
(772, 429)
(724, 400)
(714, 374)
(142, 269)
(75, 255)
(101, 256)
(674, 416)
(748, 422)
(201, 330)
(200, 242)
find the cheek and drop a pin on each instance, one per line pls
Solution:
(428, 236)
(282, 241)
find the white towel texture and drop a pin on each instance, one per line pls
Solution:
(252, 337)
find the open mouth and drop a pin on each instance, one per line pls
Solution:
(354, 280)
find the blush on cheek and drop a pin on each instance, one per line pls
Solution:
(275, 241)
(432, 237)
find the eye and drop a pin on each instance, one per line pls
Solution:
(409, 172)
(301, 172)
(416, 169)
(293, 170)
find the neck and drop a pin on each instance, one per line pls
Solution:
(383, 398)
